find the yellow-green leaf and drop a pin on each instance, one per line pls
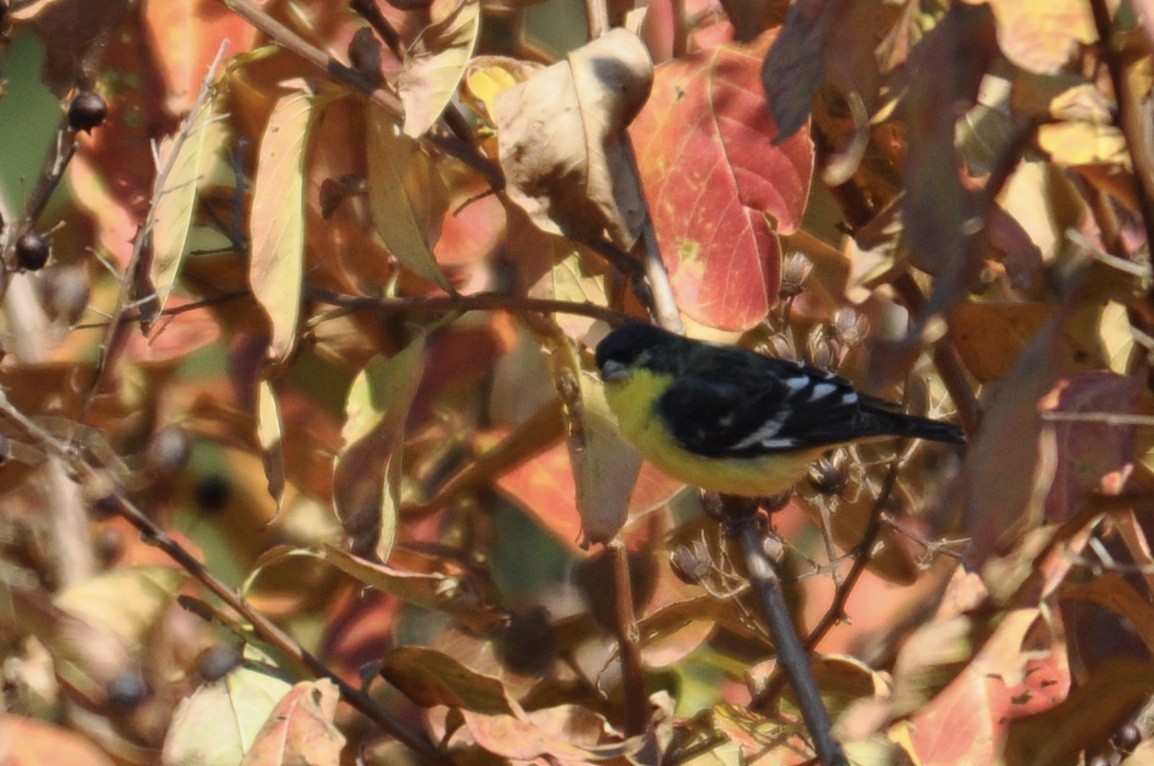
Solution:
(233, 710)
(269, 432)
(185, 154)
(407, 197)
(277, 229)
(127, 601)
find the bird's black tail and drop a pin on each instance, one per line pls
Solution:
(915, 427)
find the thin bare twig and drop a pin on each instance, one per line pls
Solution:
(947, 359)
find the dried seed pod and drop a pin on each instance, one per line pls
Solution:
(691, 562)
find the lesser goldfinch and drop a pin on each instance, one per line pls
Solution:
(729, 419)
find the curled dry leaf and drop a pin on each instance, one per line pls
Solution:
(562, 140)
(487, 76)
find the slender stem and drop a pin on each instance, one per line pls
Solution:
(628, 643)
(596, 18)
(791, 655)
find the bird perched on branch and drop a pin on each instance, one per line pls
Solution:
(729, 419)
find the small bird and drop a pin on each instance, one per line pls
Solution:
(729, 419)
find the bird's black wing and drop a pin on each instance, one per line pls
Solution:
(740, 404)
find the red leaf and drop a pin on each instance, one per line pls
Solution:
(713, 179)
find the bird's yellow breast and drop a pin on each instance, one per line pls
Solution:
(634, 402)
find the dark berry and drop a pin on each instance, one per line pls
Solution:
(529, 644)
(212, 492)
(32, 252)
(1127, 738)
(126, 691)
(86, 111)
(217, 662)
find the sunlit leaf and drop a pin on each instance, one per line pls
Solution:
(407, 197)
(186, 153)
(486, 76)
(300, 728)
(435, 64)
(233, 709)
(127, 600)
(1042, 35)
(270, 434)
(561, 140)
(276, 223)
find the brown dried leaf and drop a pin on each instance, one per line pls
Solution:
(367, 472)
(1088, 717)
(431, 678)
(795, 65)
(561, 140)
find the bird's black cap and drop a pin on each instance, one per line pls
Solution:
(625, 344)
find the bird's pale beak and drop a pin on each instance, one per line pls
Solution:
(613, 371)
